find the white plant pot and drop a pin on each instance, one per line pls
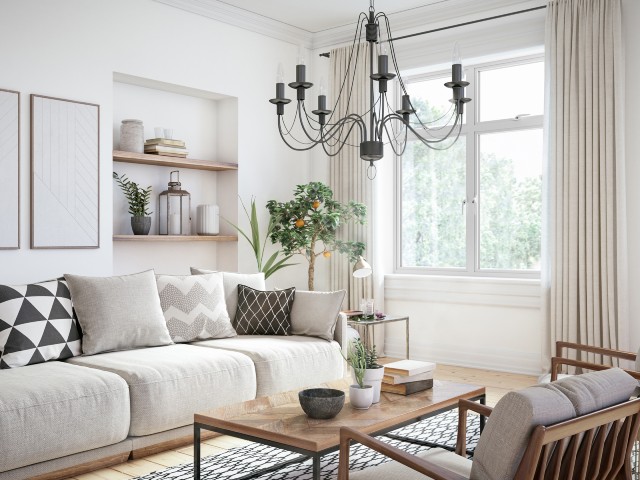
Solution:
(373, 377)
(361, 398)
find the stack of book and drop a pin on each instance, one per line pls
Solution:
(165, 146)
(407, 376)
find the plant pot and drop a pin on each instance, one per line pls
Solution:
(361, 398)
(373, 377)
(141, 225)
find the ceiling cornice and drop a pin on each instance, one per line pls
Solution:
(409, 21)
(239, 17)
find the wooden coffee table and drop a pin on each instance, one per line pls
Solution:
(279, 421)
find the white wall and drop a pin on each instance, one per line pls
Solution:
(71, 49)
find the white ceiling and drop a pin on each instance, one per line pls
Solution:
(315, 16)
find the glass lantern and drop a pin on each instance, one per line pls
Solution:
(174, 209)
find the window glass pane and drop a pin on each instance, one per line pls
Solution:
(510, 199)
(509, 91)
(433, 224)
(431, 98)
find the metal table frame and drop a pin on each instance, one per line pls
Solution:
(372, 323)
(316, 456)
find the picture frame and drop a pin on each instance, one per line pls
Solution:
(65, 173)
(10, 168)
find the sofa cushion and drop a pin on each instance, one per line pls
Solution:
(231, 282)
(118, 313)
(264, 313)
(285, 363)
(397, 471)
(167, 385)
(194, 307)
(55, 409)
(315, 313)
(502, 443)
(37, 324)
(597, 390)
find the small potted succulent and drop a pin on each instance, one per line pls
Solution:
(138, 199)
(360, 393)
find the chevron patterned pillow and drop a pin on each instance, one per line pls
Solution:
(264, 312)
(194, 307)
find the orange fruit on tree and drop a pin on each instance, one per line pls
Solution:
(316, 204)
(326, 254)
(299, 223)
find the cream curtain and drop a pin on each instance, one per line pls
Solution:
(348, 180)
(348, 173)
(586, 278)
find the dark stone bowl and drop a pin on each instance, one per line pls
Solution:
(321, 403)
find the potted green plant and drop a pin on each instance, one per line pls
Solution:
(274, 263)
(360, 393)
(138, 199)
(309, 224)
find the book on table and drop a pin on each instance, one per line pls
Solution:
(408, 367)
(398, 379)
(407, 388)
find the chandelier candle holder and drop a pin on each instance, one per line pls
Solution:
(380, 122)
(174, 212)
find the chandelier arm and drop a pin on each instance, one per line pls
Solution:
(429, 144)
(298, 149)
(393, 116)
(429, 130)
(450, 112)
(332, 132)
(342, 144)
(355, 44)
(393, 144)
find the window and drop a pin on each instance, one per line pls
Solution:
(476, 207)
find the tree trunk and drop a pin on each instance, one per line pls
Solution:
(312, 264)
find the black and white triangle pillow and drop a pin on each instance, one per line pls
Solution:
(37, 324)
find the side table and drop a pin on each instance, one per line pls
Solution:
(367, 324)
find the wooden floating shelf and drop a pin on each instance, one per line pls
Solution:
(164, 161)
(175, 238)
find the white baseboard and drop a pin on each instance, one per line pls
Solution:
(502, 360)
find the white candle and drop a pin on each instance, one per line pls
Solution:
(174, 224)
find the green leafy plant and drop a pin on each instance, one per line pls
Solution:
(274, 262)
(308, 224)
(138, 197)
(361, 358)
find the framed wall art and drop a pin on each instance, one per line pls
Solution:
(9, 169)
(65, 179)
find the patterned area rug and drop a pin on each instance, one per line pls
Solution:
(238, 462)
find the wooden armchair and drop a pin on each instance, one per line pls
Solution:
(561, 358)
(517, 443)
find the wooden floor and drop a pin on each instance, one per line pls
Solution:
(497, 383)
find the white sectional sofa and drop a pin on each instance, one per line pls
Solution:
(60, 418)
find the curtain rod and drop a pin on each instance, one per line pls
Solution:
(328, 54)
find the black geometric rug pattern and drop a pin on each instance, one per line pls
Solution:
(238, 462)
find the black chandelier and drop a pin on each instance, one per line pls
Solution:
(333, 134)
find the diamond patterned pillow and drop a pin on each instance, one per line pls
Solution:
(264, 312)
(37, 324)
(194, 307)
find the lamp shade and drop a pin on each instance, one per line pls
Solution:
(361, 269)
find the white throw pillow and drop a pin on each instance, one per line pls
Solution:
(194, 307)
(315, 313)
(231, 282)
(118, 313)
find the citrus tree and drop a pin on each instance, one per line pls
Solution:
(308, 224)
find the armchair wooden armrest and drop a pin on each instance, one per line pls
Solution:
(463, 407)
(560, 359)
(418, 464)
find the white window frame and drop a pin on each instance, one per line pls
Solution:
(471, 131)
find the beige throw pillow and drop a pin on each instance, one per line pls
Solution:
(231, 282)
(118, 313)
(194, 307)
(315, 313)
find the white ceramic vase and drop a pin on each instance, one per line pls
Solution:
(361, 398)
(132, 136)
(208, 220)
(373, 377)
